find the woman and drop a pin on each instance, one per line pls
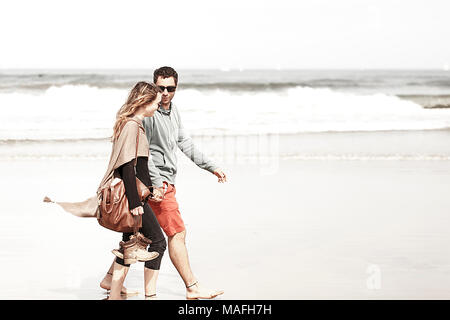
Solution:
(142, 102)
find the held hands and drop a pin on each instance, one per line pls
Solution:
(221, 175)
(158, 194)
(137, 211)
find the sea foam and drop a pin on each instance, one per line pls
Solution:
(85, 112)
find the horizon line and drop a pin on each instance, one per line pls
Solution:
(221, 69)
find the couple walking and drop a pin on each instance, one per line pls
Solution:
(150, 114)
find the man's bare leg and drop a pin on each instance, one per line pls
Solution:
(180, 259)
(106, 282)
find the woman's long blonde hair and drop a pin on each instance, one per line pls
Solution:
(142, 93)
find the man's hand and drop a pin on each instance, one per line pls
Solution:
(158, 194)
(221, 175)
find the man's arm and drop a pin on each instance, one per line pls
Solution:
(156, 178)
(187, 146)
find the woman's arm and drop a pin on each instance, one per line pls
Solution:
(142, 171)
(128, 175)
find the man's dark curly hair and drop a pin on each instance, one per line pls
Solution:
(165, 72)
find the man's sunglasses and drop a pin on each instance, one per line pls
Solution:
(169, 88)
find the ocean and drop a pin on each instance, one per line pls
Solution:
(70, 113)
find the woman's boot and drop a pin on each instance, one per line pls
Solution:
(142, 244)
(128, 249)
(135, 249)
(143, 241)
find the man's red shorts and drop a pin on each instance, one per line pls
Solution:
(167, 212)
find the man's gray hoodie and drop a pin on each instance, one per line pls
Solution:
(165, 133)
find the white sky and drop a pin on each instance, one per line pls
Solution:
(226, 34)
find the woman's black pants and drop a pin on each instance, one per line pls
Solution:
(152, 230)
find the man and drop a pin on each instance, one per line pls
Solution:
(165, 133)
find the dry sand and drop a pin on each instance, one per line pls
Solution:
(311, 230)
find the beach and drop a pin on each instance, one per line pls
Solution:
(324, 224)
(337, 183)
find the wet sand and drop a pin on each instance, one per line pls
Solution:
(310, 229)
